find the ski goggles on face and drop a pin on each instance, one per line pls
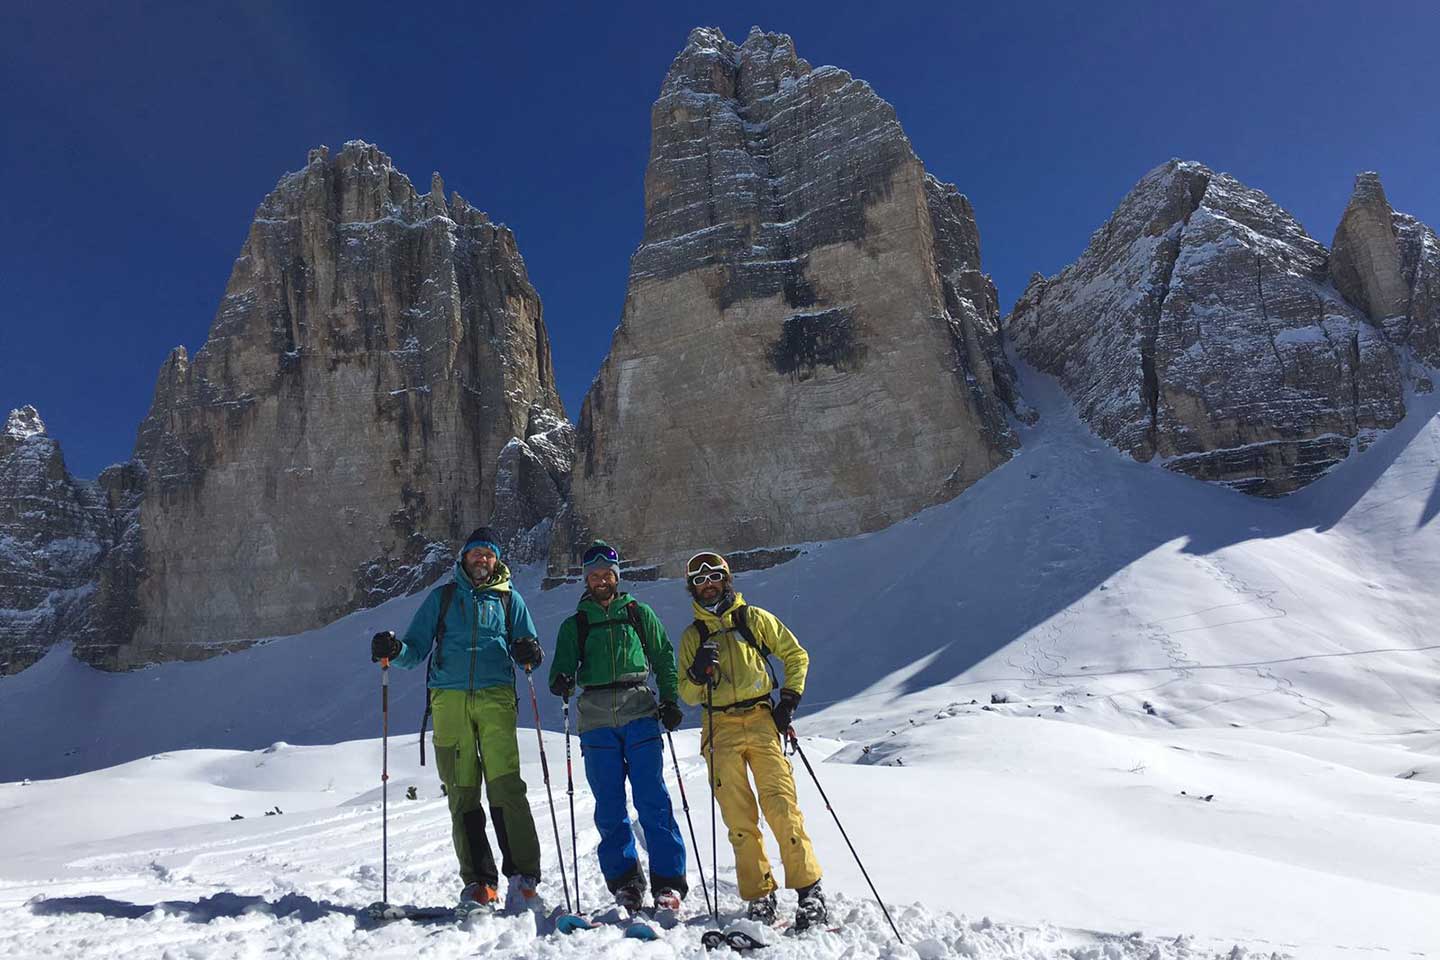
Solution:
(714, 576)
(704, 561)
(605, 554)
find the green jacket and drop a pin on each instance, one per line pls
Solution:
(614, 654)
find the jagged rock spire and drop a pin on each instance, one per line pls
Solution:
(804, 295)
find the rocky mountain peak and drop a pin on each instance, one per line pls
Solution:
(711, 64)
(24, 423)
(371, 361)
(1199, 327)
(797, 254)
(1365, 257)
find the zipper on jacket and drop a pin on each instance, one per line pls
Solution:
(614, 673)
(474, 639)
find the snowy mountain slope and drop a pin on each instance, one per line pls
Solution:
(1277, 656)
(1070, 567)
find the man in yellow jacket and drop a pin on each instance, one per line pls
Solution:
(724, 666)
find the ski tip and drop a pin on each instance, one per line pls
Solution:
(569, 923)
(641, 931)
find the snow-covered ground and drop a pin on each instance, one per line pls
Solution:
(1220, 736)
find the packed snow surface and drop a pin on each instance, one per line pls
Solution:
(1089, 710)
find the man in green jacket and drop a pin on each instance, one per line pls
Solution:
(482, 626)
(609, 647)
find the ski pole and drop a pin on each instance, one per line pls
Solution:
(545, 770)
(714, 850)
(795, 745)
(570, 792)
(684, 803)
(385, 780)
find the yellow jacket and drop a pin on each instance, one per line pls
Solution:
(743, 674)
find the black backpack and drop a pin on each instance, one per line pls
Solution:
(447, 593)
(583, 625)
(742, 626)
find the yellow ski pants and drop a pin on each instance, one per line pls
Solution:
(748, 738)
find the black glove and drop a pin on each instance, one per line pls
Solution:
(384, 646)
(526, 652)
(670, 714)
(563, 686)
(702, 668)
(784, 711)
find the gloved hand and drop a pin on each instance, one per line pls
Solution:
(784, 711)
(384, 646)
(527, 653)
(670, 714)
(563, 686)
(702, 668)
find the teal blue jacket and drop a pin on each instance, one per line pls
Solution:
(475, 652)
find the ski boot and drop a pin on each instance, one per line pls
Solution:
(522, 893)
(811, 911)
(475, 898)
(630, 897)
(761, 909)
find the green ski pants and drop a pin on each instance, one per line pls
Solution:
(474, 737)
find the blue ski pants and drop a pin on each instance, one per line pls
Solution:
(637, 751)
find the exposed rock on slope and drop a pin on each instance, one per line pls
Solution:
(1200, 326)
(1388, 265)
(808, 347)
(55, 532)
(376, 351)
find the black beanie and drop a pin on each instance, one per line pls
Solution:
(482, 537)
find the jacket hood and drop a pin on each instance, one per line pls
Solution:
(715, 618)
(499, 580)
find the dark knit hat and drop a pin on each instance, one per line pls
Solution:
(482, 537)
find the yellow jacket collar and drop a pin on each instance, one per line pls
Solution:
(722, 621)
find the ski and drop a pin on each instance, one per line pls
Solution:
(640, 930)
(737, 940)
(794, 931)
(633, 927)
(570, 922)
(393, 912)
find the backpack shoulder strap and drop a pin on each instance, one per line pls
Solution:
(447, 593)
(505, 601)
(702, 629)
(742, 623)
(582, 630)
(632, 613)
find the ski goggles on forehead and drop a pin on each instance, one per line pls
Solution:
(606, 554)
(714, 576)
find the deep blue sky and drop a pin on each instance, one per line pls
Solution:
(137, 139)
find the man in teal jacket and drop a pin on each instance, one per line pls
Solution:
(623, 642)
(482, 625)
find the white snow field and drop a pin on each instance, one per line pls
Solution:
(1217, 735)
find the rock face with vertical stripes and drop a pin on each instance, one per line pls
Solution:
(376, 352)
(1200, 328)
(1388, 265)
(808, 347)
